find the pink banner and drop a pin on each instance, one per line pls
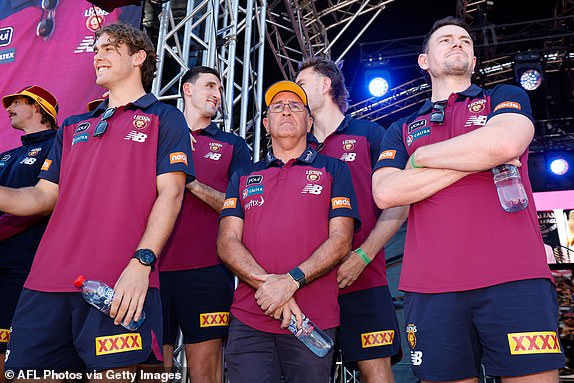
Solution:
(51, 47)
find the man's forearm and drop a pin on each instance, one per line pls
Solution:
(387, 225)
(162, 218)
(207, 194)
(33, 200)
(502, 140)
(239, 260)
(332, 250)
(394, 187)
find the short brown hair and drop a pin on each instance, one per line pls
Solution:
(330, 69)
(449, 20)
(135, 40)
(192, 75)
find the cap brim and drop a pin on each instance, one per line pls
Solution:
(7, 100)
(285, 86)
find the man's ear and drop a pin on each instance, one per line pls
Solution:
(139, 57)
(187, 88)
(422, 60)
(326, 86)
(266, 124)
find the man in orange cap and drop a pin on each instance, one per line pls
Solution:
(33, 110)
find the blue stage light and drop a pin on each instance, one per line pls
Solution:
(378, 86)
(559, 166)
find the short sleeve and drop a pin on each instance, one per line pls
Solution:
(343, 198)
(232, 205)
(510, 99)
(392, 151)
(174, 145)
(241, 156)
(50, 169)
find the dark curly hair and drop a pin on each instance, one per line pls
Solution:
(330, 69)
(135, 40)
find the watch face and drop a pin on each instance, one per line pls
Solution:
(297, 274)
(146, 256)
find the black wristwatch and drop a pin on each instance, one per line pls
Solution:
(146, 257)
(298, 276)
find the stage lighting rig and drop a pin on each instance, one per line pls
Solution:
(377, 76)
(528, 70)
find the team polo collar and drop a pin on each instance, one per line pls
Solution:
(211, 129)
(141, 103)
(307, 157)
(37, 136)
(472, 91)
(342, 126)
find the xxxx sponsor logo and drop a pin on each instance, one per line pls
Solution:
(118, 343)
(533, 343)
(4, 335)
(214, 319)
(377, 338)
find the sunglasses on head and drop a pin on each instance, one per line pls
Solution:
(103, 124)
(437, 115)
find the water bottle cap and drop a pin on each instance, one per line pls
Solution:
(79, 281)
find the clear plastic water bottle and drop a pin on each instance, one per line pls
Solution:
(313, 337)
(509, 187)
(100, 295)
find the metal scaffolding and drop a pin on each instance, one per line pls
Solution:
(225, 35)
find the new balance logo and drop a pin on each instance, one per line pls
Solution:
(86, 46)
(136, 136)
(213, 156)
(476, 120)
(416, 358)
(312, 189)
(349, 157)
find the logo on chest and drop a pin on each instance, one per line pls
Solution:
(136, 136)
(313, 175)
(348, 145)
(415, 125)
(83, 126)
(416, 135)
(213, 155)
(254, 179)
(477, 106)
(141, 122)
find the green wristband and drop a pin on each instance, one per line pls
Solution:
(363, 255)
(413, 164)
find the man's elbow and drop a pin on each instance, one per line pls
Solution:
(385, 198)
